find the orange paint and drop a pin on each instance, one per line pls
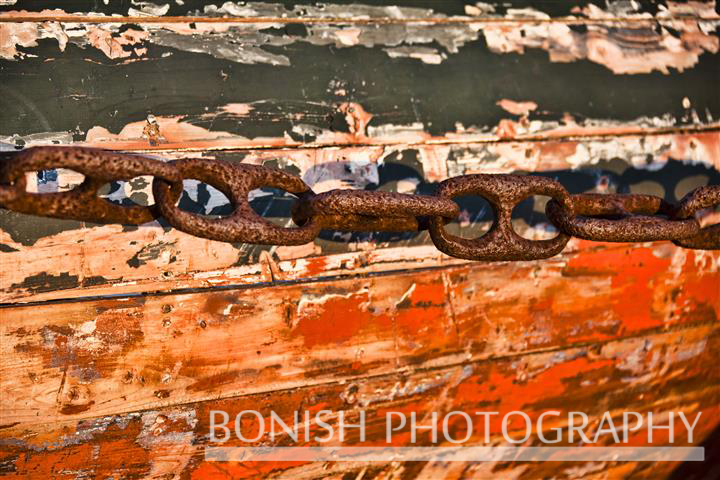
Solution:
(338, 320)
(635, 278)
(699, 296)
(423, 309)
(315, 265)
(117, 451)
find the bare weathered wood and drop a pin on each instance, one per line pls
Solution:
(100, 357)
(672, 371)
(375, 10)
(142, 96)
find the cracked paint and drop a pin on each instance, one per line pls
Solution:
(640, 48)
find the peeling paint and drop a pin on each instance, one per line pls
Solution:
(676, 43)
(615, 139)
(113, 44)
(517, 108)
(608, 164)
(148, 9)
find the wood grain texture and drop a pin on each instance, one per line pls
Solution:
(94, 358)
(661, 372)
(447, 8)
(118, 341)
(124, 85)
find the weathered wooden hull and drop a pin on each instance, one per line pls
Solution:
(118, 342)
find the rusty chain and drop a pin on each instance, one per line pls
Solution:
(599, 217)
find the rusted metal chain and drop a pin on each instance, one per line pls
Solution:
(236, 181)
(599, 217)
(82, 202)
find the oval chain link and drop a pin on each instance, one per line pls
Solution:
(501, 242)
(99, 167)
(372, 211)
(636, 218)
(708, 238)
(236, 181)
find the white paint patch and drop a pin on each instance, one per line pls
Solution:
(238, 109)
(406, 295)
(309, 302)
(356, 172)
(425, 54)
(148, 9)
(348, 36)
(87, 328)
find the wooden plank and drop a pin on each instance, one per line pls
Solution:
(124, 85)
(155, 258)
(672, 371)
(106, 356)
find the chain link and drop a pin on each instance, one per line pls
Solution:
(236, 181)
(99, 167)
(708, 238)
(620, 218)
(364, 211)
(599, 217)
(501, 242)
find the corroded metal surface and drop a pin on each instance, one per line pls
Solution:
(120, 381)
(708, 238)
(642, 217)
(236, 181)
(501, 242)
(361, 210)
(634, 218)
(82, 203)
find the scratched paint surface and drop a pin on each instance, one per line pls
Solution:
(160, 347)
(134, 334)
(635, 373)
(470, 75)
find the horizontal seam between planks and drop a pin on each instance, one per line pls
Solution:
(340, 20)
(297, 281)
(492, 141)
(218, 288)
(415, 370)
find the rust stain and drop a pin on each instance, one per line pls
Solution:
(357, 119)
(151, 131)
(226, 305)
(597, 309)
